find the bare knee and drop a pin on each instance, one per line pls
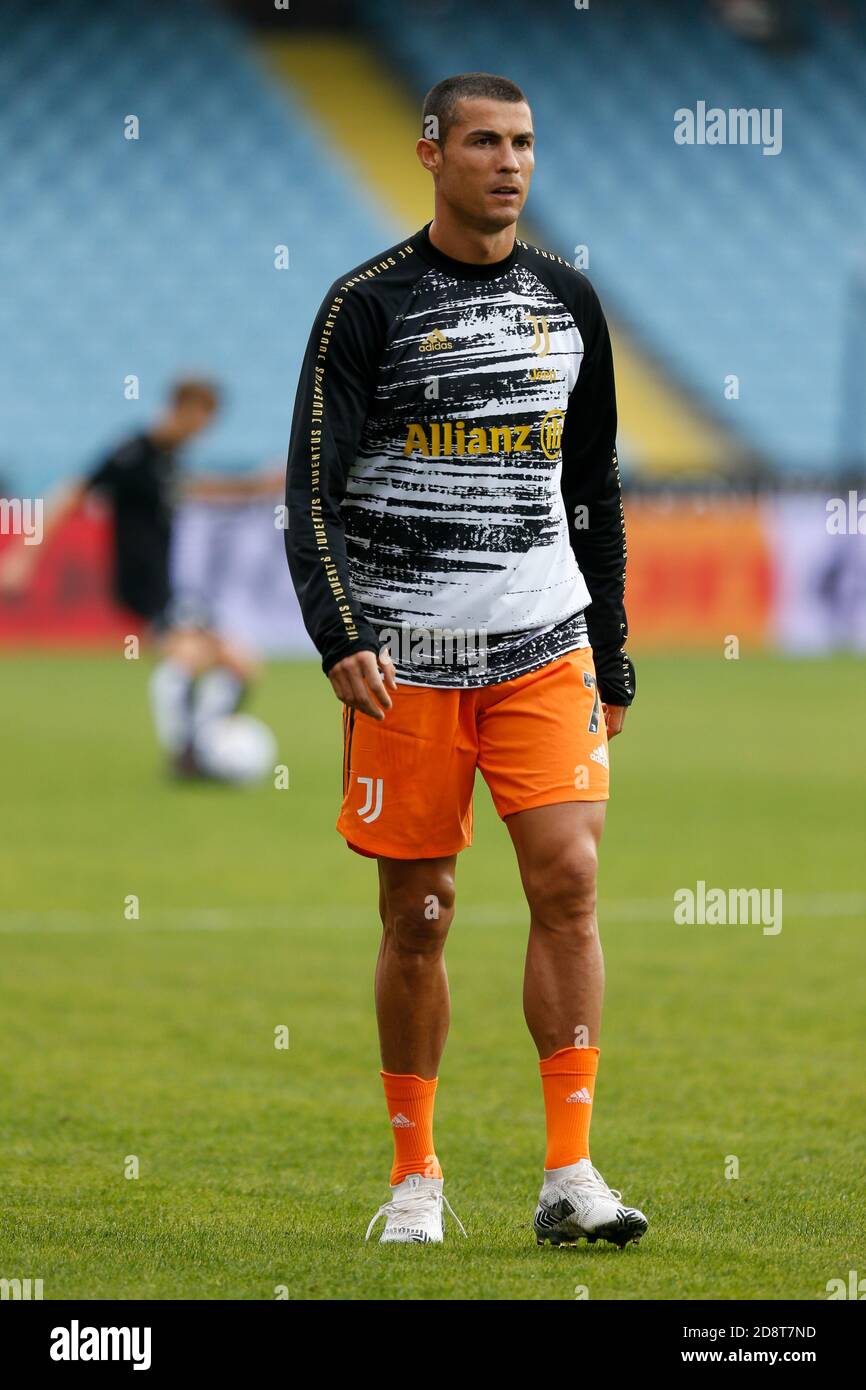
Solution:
(199, 651)
(190, 648)
(562, 894)
(238, 660)
(416, 910)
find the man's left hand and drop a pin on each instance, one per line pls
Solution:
(614, 718)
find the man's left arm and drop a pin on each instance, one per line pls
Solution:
(592, 493)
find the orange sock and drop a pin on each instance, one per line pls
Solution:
(410, 1104)
(568, 1080)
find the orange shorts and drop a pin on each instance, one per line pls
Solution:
(408, 779)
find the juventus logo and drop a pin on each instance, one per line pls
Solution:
(541, 341)
(368, 811)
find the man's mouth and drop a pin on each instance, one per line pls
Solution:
(505, 191)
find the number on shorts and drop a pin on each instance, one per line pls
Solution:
(589, 682)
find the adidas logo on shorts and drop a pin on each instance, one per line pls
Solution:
(599, 755)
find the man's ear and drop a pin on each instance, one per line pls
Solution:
(429, 154)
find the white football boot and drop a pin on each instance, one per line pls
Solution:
(576, 1202)
(414, 1212)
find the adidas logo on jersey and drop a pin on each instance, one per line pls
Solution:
(581, 1097)
(599, 755)
(435, 342)
(400, 1122)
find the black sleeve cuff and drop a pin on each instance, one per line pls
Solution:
(615, 675)
(348, 649)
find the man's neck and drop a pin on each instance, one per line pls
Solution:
(162, 435)
(163, 432)
(468, 244)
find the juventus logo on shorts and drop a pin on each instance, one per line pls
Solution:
(541, 341)
(368, 811)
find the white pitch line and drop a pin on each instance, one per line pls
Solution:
(275, 918)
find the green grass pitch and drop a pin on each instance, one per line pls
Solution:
(259, 1168)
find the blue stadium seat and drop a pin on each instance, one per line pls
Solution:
(155, 256)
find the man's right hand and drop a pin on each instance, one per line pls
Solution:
(359, 681)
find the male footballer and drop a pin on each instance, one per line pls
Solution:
(199, 675)
(457, 544)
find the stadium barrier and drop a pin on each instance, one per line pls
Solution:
(783, 570)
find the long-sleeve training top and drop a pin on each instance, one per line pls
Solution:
(452, 468)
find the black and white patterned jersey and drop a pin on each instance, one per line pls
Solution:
(468, 659)
(452, 476)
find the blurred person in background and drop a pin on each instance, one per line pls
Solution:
(199, 675)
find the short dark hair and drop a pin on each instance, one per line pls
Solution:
(195, 389)
(441, 101)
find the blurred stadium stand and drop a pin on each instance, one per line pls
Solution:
(721, 260)
(143, 257)
(155, 256)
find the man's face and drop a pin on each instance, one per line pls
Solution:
(483, 169)
(192, 416)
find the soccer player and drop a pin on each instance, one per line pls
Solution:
(199, 675)
(457, 544)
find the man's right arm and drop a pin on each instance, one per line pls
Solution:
(331, 404)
